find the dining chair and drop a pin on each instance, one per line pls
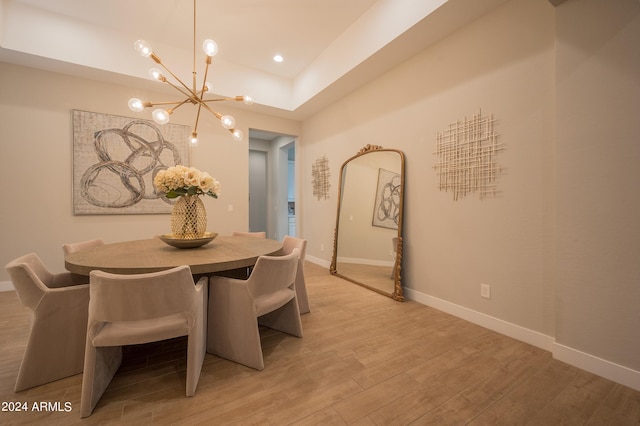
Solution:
(288, 245)
(238, 307)
(58, 323)
(244, 273)
(138, 309)
(82, 245)
(257, 234)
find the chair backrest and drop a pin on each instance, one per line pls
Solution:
(116, 297)
(82, 245)
(273, 273)
(30, 278)
(260, 234)
(290, 243)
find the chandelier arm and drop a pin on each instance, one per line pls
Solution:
(217, 114)
(152, 104)
(195, 127)
(204, 79)
(179, 104)
(235, 98)
(190, 92)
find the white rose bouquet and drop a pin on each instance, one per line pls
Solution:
(182, 180)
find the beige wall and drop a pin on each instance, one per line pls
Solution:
(597, 175)
(561, 238)
(36, 164)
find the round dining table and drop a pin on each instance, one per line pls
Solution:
(224, 253)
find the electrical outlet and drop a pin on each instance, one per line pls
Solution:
(321, 247)
(485, 291)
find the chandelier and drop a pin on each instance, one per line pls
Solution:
(194, 94)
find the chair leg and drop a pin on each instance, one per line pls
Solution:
(232, 327)
(197, 342)
(56, 340)
(44, 362)
(301, 291)
(100, 366)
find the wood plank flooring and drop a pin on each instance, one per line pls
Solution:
(377, 277)
(364, 360)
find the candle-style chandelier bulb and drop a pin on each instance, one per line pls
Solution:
(227, 121)
(143, 48)
(160, 116)
(136, 105)
(155, 74)
(210, 47)
(237, 135)
(194, 138)
(248, 100)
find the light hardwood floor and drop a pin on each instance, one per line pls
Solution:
(378, 277)
(364, 360)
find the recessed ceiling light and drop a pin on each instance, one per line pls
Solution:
(278, 58)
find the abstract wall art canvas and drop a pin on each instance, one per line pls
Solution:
(387, 206)
(115, 159)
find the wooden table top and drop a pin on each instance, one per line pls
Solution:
(224, 253)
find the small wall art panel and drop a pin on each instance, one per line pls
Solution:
(115, 159)
(320, 178)
(467, 157)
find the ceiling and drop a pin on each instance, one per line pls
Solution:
(331, 47)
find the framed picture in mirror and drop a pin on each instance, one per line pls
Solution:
(386, 210)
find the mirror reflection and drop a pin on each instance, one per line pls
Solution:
(368, 235)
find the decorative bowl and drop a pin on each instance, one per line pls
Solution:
(183, 243)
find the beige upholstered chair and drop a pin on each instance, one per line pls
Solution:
(236, 307)
(244, 273)
(260, 234)
(55, 348)
(79, 246)
(82, 245)
(136, 309)
(288, 245)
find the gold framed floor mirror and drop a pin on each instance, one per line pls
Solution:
(367, 245)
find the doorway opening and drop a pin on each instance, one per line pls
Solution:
(272, 177)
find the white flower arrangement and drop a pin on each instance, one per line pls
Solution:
(182, 180)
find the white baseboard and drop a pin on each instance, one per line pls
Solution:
(318, 261)
(6, 286)
(601, 367)
(503, 327)
(371, 262)
(574, 357)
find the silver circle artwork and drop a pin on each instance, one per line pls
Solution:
(389, 204)
(127, 164)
